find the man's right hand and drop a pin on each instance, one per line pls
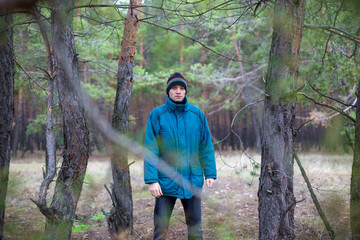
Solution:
(155, 189)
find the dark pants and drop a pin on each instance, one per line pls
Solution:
(163, 209)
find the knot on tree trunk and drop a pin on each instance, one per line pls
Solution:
(119, 226)
(49, 212)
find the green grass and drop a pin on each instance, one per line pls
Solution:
(80, 227)
(97, 216)
(11, 228)
(15, 185)
(229, 209)
(142, 193)
(224, 233)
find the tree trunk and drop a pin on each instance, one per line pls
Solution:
(6, 108)
(17, 127)
(355, 176)
(276, 196)
(121, 218)
(50, 160)
(23, 125)
(32, 137)
(60, 214)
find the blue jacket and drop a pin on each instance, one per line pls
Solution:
(179, 135)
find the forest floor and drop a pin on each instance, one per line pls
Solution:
(230, 209)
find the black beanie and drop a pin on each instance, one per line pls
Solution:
(176, 79)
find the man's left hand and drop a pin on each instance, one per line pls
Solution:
(210, 182)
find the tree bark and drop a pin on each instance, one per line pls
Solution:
(50, 161)
(23, 125)
(276, 197)
(17, 127)
(121, 218)
(60, 214)
(6, 108)
(355, 176)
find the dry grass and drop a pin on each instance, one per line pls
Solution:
(229, 209)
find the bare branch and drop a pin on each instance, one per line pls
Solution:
(290, 207)
(198, 14)
(331, 98)
(346, 109)
(232, 124)
(334, 30)
(27, 22)
(297, 130)
(197, 41)
(49, 213)
(340, 111)
(28, 75)
(314, 198)
(246, 106)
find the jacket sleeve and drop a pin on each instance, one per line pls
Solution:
(207, 156)
(150, 162)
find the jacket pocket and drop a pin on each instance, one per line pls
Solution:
(196, 169)
(197, 178)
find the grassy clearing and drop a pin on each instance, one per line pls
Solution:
(229, 209)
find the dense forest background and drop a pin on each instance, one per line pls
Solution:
(273, 77)
(218, 85)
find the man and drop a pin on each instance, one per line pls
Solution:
(178, 134)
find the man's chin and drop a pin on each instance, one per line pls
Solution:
(177, 100)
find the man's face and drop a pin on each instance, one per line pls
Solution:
(177, 93)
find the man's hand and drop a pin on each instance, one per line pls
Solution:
(155, 189)
(210, 182)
